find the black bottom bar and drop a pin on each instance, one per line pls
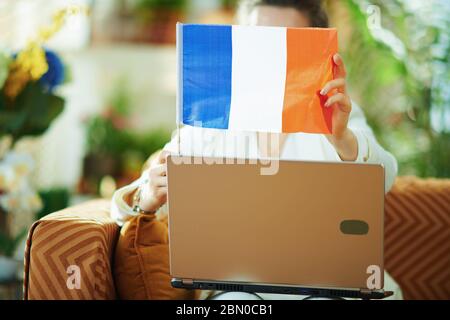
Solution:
(260, 288)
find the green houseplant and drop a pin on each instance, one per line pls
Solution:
(397, 60)
(158, 18)
(114, 147)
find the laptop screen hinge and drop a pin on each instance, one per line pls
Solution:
(188, 282)
(365, 291)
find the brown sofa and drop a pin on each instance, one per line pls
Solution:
(417, 245)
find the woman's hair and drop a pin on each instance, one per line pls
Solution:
(312, 8)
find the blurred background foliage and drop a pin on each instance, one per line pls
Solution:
(397, 56)
(114, 147)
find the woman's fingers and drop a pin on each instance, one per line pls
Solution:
(342, 100)
(162, 156)
(156, 188)
(339, 67)
(159, 181)
(161, 194)
(338, 84)
(158, 170)
(158, 176)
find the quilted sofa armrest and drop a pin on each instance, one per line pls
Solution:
(79, 240)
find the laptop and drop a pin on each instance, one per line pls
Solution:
(313, 228)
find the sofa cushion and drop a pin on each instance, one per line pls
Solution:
(83, 236)
(141, 266)
(417, 237)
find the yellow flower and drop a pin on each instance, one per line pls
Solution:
(30, 63)
(33, 61)
(15, 82)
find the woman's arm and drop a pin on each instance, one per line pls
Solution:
(153, 191)
(121, 202)
(369, 150)
(153, 183)
(351, 136)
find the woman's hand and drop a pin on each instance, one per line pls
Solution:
(341, 137)
(154, 193)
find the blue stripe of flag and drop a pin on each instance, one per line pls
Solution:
(207, 58)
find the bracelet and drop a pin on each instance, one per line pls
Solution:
(136, 200)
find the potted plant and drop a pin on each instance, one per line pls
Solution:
(28, 105)
(158, 18)
(114, 148)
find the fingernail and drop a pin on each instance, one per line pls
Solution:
(326, 104)
(323, 92)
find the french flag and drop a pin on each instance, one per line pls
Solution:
(254, 78)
